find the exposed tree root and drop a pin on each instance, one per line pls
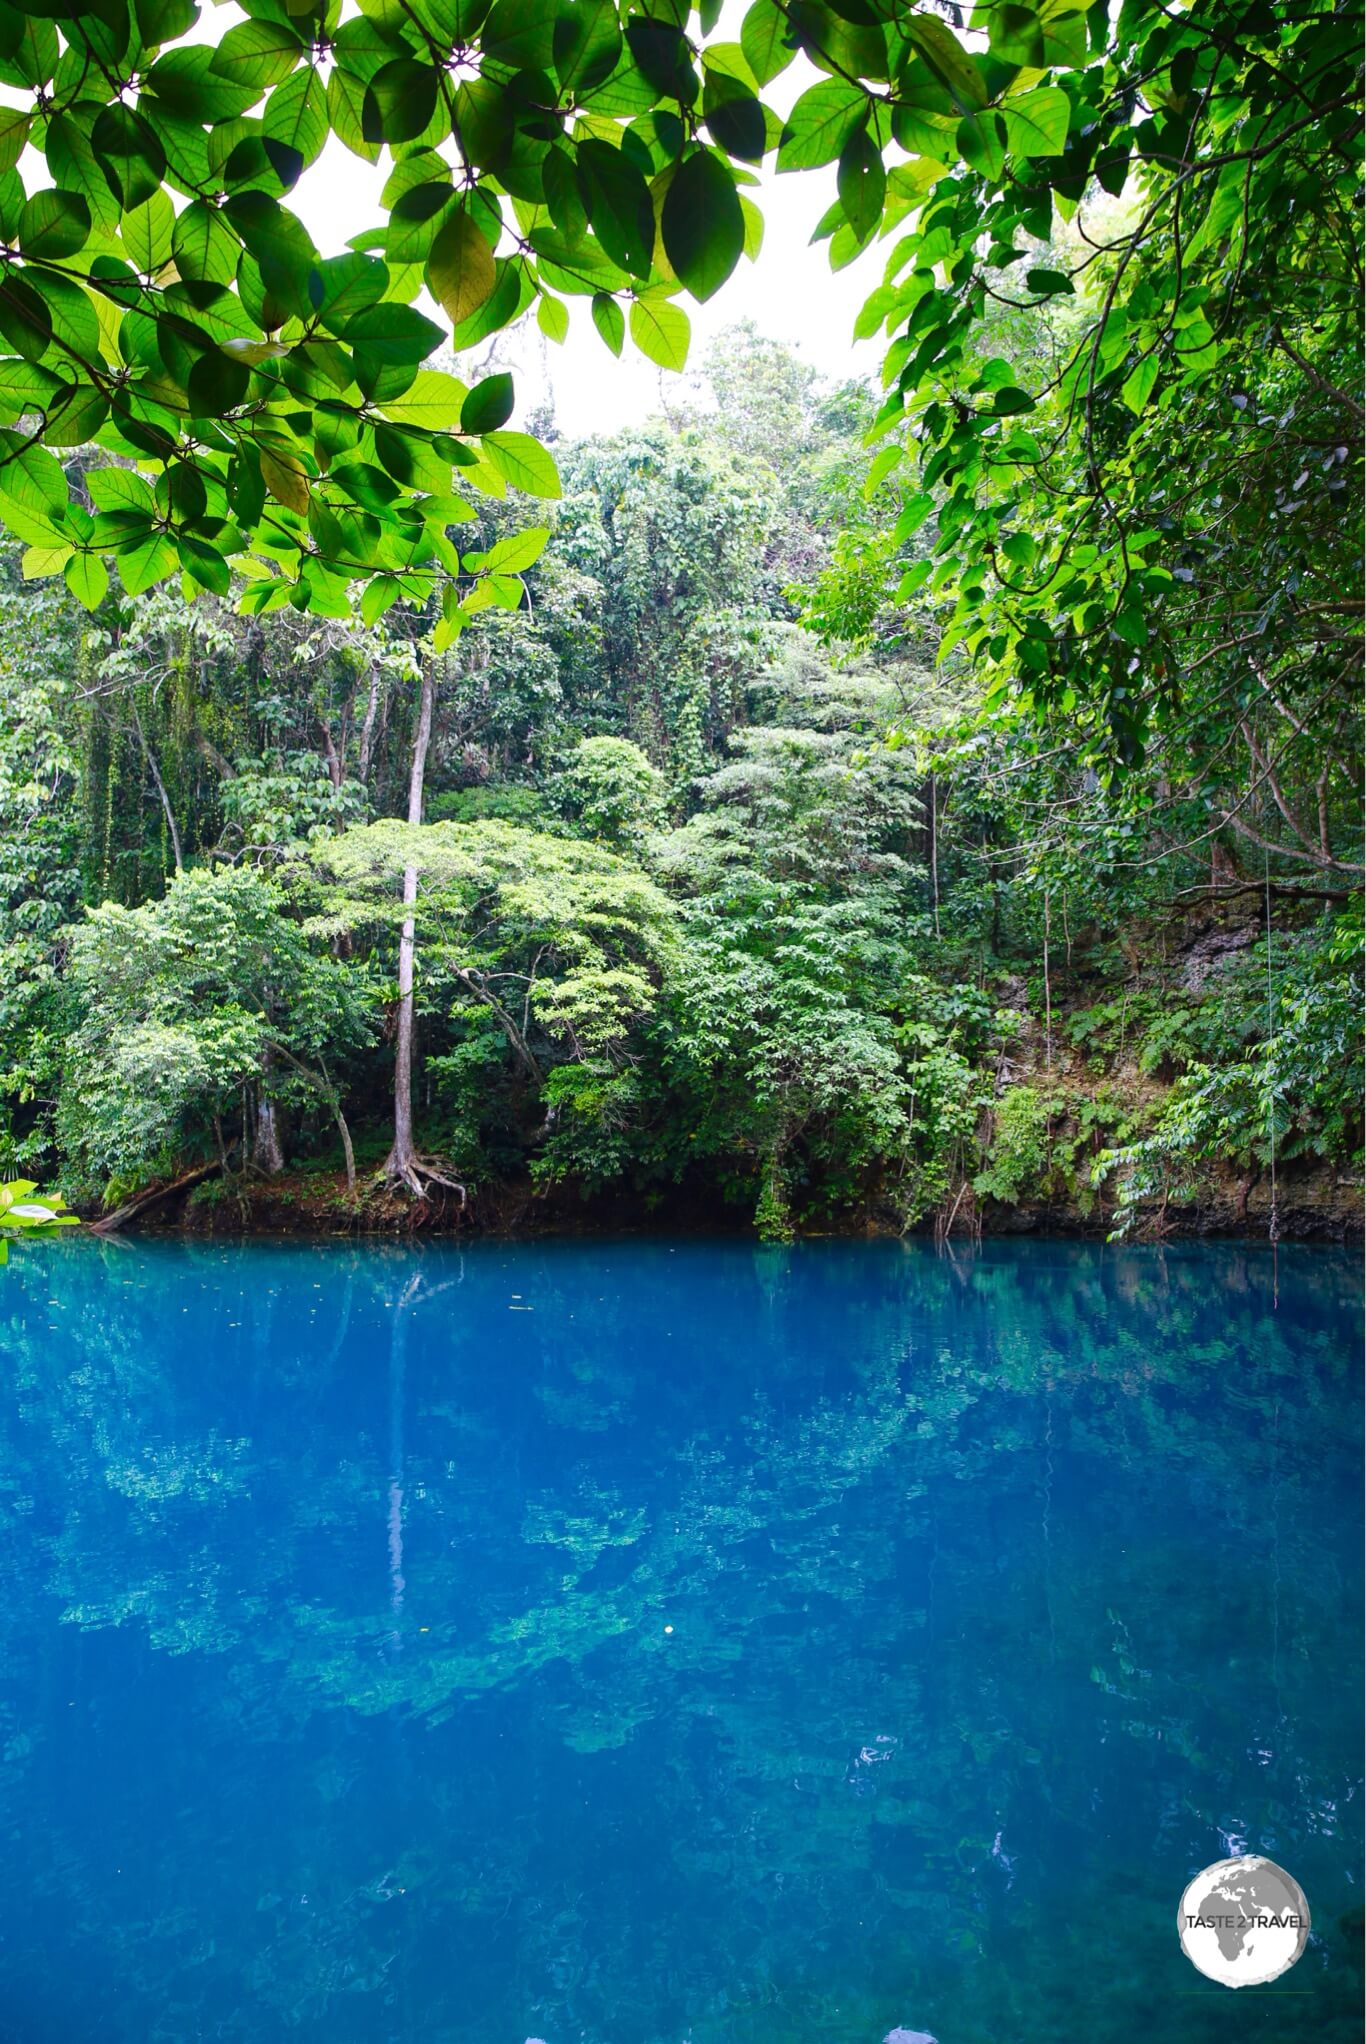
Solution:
(419, 1174)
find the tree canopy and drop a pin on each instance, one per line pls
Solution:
(269, 407)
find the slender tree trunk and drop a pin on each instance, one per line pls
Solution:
(934, 850)
(331, 757)
(347, 1150)
(268, 1151)
(155, 772)
(330, 1094)
(402, 1158)
(1047, 984)
(367, 729)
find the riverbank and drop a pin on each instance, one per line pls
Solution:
(1313, 1202)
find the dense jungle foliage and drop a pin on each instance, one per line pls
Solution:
(704, 908)
(925, 799)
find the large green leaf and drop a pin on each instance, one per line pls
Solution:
(701, 224)
(610, 321)
(1037, 122)
(524, 462)
(862, 183)
(53, 224)
(399, 101)
(130, 153)
(488, 406)
(766, 40)
(617, 200)
(259, 53)
(460, 269)
(660, 329)
(820, 124)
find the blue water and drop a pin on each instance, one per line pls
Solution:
(654, 1644)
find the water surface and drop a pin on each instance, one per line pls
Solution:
(670, 1644)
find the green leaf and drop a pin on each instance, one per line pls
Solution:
(144, 566)
(1016, 35)
(129, 152)
(552, 317)
(1049, 283)
(610, 321)
(518, 551)
(862, 183)
(617, 201)
(38, 561)
(400, 101)
(433, 400)
(14, 133)
(25, 386)
(1037, 122)
(120, 489)
(660, 329)
(203, 245)
(146, 233)
(513, 291)
(31, 478)
(524, 462)
(25, 320)
(378, 595)
(734, 118)
(754, 228)
(87, 578)
(488, 406)
(54, 223)
(460, 270)
(416, 218)
(1138, 384)
(884, 461)
(30, 49)
(981, 142)
(587, 45)
(820, 124)
(949, 61)
(296, 116)
(660, 49)
(701, 225)
(203, 563)
(764, 38)
(392, 334)
(259, 53)
(217, 384)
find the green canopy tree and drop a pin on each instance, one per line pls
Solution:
(544, 950)
(208, 1006)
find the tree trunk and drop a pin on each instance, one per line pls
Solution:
(347, 1150)
(331, 758)
(267, 1150)
(402, 1159)
(934, 850)
(155, 771)
(367, 730)
(1047, 984)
